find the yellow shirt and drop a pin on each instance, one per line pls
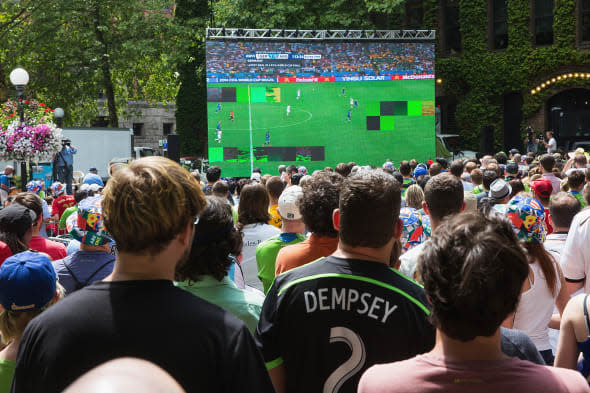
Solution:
(275, 218)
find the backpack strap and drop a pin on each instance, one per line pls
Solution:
(80, 285)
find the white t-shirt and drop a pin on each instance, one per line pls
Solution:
(410, 260)
(575, 258)
(254, 234)
(552, 146)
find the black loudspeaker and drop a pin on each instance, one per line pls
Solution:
(487, 140)
(174, 147)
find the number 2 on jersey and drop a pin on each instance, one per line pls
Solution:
(354, 363)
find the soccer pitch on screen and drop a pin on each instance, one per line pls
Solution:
(318, 124)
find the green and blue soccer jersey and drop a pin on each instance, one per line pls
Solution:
(266, 255)
(330, 320)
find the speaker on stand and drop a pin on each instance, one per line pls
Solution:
(487, 140)
(174, 147)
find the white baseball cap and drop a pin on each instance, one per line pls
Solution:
(288, 203)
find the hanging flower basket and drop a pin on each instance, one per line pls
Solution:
(36, 139)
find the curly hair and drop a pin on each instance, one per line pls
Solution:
(215, 239)
(321, 196)
(473, 268)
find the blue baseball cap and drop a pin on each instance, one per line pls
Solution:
(420, 171)
(27, 282)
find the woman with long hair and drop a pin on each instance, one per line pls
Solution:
(253, 220)
(545, 285)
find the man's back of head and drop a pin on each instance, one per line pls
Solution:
(443, 196)
(291, 169)
(320, 197)
(434, 169)
(213, 174)
(405, 169)
(274, 187)
(148, 203)
(369, 209)
(547, 162)
(488, 178)
(456, 168)
(474, 263)
(220, 189)
(575, 180)
(476, 176)
(563, 207)
(580, 161)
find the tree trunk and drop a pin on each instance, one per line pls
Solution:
(105, 67)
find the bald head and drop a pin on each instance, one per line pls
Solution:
(125, 375)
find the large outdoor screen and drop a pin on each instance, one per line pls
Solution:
(317, 104)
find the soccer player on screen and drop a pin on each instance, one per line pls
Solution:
(356, 103)
(231, 115)
(218, 109)
(351, 102)
(218, 139)
(349, 115)
(343, 92)
(298, 93)
(288, 109)
(267, 139)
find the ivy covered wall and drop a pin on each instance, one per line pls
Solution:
(479, 78)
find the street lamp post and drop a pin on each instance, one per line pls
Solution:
(58, 113)
(19, 78)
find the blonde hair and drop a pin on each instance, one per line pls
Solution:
(414, 196)
(146, 204)
(13, 324)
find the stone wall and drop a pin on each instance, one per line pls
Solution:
(153, 119)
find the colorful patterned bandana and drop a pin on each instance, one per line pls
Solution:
(414, 232)
(527, 216)
(87, 225)
(35, 186)
(57, 188)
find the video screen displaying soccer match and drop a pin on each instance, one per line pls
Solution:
(317, 104)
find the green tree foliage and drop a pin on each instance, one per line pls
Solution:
(308, 14)
(78, 50)
(191, 101)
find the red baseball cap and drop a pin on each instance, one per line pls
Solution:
(542, 187)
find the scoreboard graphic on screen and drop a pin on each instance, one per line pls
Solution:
(318, 103)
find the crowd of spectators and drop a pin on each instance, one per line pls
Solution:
(468, 275)
(228, 59)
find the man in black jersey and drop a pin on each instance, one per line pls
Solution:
(326, 322)
(149, 208)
